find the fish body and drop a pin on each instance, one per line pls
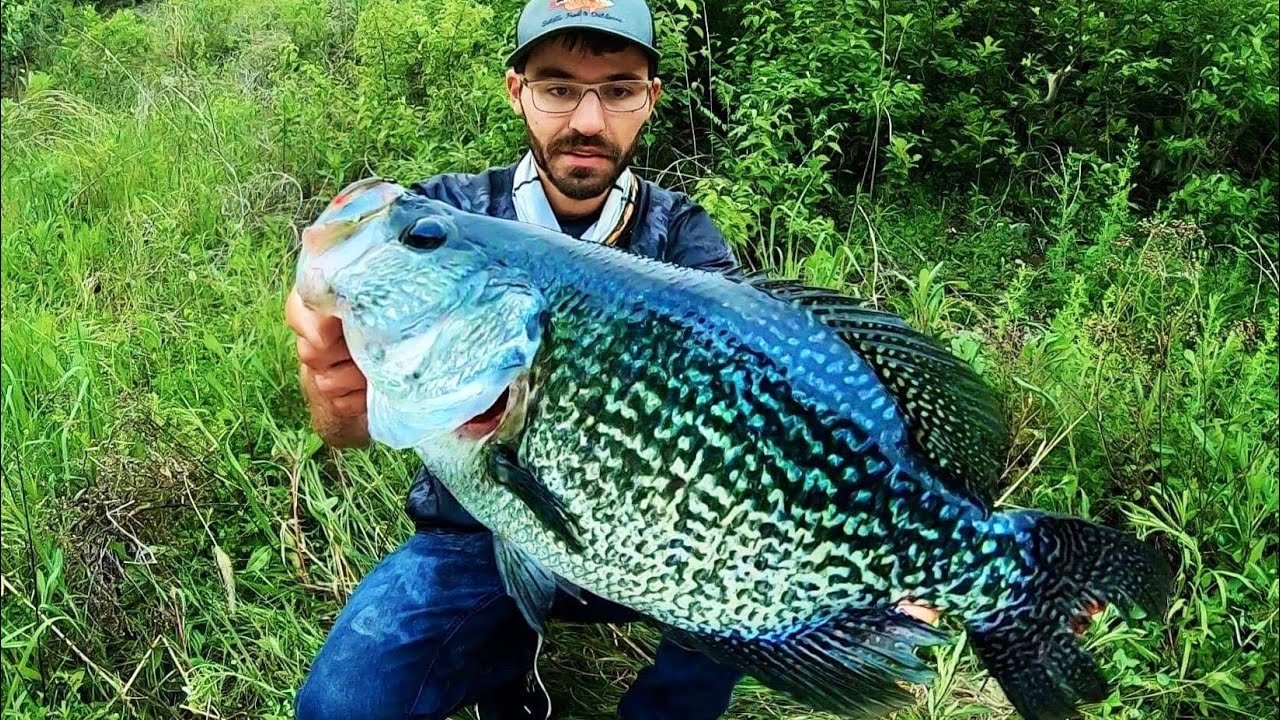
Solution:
(765, 470)
(732, 462)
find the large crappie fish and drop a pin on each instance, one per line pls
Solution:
(765, 470)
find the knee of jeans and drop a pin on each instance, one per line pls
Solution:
(339, 698)
(320, 700)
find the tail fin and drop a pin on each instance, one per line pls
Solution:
(1032, 647)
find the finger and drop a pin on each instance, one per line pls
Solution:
(296, 314)
(322, 331)
(340, 379)
(923, 613)
(322, 358)
(317, 328)
(328, 329)
(351, 405)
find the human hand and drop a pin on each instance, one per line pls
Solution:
(335, 388)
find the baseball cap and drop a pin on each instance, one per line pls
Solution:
(627, 19)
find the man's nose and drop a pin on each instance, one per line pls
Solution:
(588, 118)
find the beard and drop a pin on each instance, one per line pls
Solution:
(581, 183)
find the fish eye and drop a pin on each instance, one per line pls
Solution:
(426, 234)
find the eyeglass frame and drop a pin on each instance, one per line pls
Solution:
(589, 87)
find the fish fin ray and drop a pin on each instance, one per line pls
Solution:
(1032, 648)
(850, 665)
(572, 590)
(550, 510)
(954, 417)
(532, 586)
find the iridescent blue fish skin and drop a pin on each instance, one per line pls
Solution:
(764, 469)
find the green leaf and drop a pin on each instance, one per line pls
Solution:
(258, 560)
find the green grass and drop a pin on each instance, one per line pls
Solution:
(176, 542)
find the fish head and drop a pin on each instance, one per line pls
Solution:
(442, 328)
(354, 222)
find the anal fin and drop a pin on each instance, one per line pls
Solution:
(849, 665)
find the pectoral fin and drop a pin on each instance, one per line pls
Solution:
(549, 509)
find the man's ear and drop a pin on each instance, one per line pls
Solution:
(513, 91)
(653, 104)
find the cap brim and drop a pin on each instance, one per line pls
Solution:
(525, 48)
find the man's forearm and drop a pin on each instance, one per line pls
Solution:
(334, 428)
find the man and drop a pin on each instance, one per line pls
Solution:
(430, 630)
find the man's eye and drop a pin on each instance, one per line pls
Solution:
(558, 90)
(619, 92)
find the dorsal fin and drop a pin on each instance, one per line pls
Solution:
(953, 417)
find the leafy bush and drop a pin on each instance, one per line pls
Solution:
(23, 25)
(993, 97)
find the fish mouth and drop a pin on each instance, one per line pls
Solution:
(505, 415)
(488, 421)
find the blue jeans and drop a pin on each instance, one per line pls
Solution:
(431, 630)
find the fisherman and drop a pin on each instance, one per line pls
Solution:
(430, 629)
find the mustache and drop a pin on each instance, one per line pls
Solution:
(579, 143)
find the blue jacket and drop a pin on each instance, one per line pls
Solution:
(666, 225)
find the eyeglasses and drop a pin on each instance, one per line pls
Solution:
(562, 96)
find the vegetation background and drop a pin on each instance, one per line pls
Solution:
(1080, 197)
